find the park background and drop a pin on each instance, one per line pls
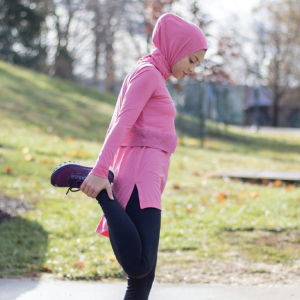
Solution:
(62, 65)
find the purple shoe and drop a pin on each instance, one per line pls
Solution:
(72, 175)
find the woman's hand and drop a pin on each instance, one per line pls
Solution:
(93, 184)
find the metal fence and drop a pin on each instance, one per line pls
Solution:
(199, 101)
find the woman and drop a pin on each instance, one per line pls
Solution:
(138, 145)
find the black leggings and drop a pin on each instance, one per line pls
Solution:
(134, 236)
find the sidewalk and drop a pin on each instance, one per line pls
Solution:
(21, 289)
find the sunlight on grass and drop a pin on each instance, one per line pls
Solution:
(47, 122)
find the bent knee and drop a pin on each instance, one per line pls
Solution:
(137, 273)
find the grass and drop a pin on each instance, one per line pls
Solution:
(47, 121)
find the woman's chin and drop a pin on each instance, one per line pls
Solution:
(176, 76)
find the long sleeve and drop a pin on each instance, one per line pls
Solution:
(140, 88)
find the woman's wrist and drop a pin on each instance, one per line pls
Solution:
(100, 172)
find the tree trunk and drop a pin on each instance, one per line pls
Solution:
(275, 121)
(109, 67)
(97, 35)
(64, 65)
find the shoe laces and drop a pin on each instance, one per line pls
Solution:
(74, 182)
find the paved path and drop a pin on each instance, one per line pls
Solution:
(20, 289)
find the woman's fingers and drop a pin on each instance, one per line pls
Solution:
(109, 192)
(83, 185)
(95, 194)
(93, 184)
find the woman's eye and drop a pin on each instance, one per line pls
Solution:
(191, 61)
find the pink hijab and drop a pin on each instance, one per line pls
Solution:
(174, 39)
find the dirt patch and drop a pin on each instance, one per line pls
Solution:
(10, 207)
(237, 272)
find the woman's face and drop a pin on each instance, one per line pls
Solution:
(187, 65)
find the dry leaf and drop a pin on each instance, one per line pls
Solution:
(277, 183)
(46, 269)
(79, 264)
(222, 198)
(203, 203)
(24, 177)
(196, 173)
(7, 169)
(176, 185)
(69, 140)
(45, 160)
(290, 187)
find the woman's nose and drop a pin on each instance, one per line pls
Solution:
(192, 70)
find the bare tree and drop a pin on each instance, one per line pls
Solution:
(280, 29)
(71, 24)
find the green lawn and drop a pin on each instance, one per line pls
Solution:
(46, 121)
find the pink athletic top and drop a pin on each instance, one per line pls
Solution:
(141, 135)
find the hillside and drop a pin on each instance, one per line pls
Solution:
(52, 105)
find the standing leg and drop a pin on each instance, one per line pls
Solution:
(147, 222)
(134, 233)
(139, 288)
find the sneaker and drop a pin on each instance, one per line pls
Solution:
(72, 175)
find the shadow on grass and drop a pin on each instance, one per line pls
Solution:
(23, 246)
(256, 143)
(246, 143)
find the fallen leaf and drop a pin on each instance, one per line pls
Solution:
(254, 195)
(176, 185)
(277, 183)
(222, 198)
(203, 203)
(28, 157)
(290, 187)
(24, 177)
(196, 173)
(31, 273)
(46, 269)
(79, 264)
(7, 169)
